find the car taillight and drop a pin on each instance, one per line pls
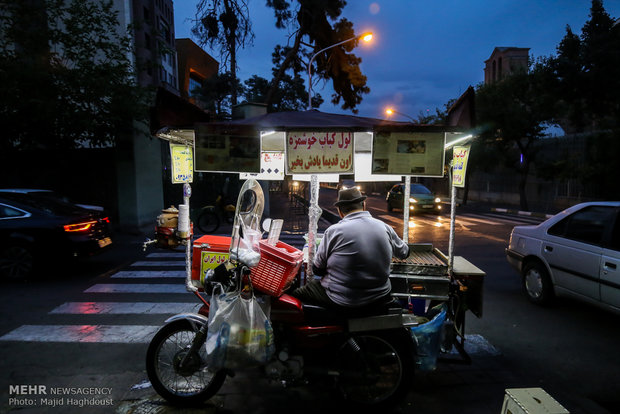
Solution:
(85, 226)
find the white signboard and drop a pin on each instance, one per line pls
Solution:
(271, 167)
(319, 152)
(322, 178)
(409, 153)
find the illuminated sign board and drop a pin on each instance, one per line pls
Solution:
(182, 163)
(408, 153)
(319, 152)
(226, 148)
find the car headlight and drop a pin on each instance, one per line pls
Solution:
(437, 200)
(413, 200)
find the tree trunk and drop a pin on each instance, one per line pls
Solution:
(233, 74)
(232, 48)
(283, 67)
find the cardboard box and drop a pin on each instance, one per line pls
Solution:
(530, 401)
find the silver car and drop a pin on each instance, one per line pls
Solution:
(575, 253)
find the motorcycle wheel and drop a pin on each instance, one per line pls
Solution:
(208, 221)
(188, 386)
(376, 369)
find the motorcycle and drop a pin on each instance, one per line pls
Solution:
(210, 217)
(367, 355)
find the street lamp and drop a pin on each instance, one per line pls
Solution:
(367, 37)
(314, 211)
(392, 111)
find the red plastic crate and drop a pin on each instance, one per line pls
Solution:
(277, 267)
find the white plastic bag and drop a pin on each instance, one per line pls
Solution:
(240, 334)
(247, 250)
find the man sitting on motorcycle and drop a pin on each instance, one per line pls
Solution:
(353, 258)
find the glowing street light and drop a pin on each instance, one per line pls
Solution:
(314, 211)
(392, 111)
(367, 37)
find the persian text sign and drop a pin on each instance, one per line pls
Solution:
(210, 260)
(319, 152)
(182, 163)
(460, 155)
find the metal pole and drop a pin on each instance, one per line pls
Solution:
(310, 67)
(314, 211)
(452, 221)
(405, 115)
(187, 193)
(406, 196)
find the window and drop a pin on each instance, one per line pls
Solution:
(147, 41)
(147, 13)
(419, 189)
(194, 84)
(8, 212)
(615, 236)
(588, 225)
(499, 69)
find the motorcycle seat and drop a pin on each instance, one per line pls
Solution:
(319, 315)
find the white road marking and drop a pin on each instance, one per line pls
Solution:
(136, 288)
(166, 255)
(392, 219)
(141, 274)
(439, 222)
(124, 308)
(159, 263)
(82, 333)
(479, 220)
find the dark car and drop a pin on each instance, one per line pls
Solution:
(36, 230)
(346, 183)
(421, 199)
(49, 194)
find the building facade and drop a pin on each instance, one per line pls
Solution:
(195, 66)
(504, 61)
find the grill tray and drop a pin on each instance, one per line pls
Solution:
(423, 259)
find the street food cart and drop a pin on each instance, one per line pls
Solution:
(346, 145)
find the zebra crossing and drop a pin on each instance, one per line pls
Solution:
(125, 294)
(159, 276)
(122, 301)
(462, 220)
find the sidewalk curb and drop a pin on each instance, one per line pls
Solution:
(521, 213)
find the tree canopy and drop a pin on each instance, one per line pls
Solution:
(314, 25)
(67, 75)
(317, 25)
(578, 89)
(586, 68)
(225, 24)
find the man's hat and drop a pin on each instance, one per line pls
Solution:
(349, 196)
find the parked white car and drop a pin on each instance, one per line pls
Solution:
(575, 253)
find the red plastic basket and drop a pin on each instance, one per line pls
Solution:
(277, 267)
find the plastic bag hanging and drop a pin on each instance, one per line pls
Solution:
(240, 335)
